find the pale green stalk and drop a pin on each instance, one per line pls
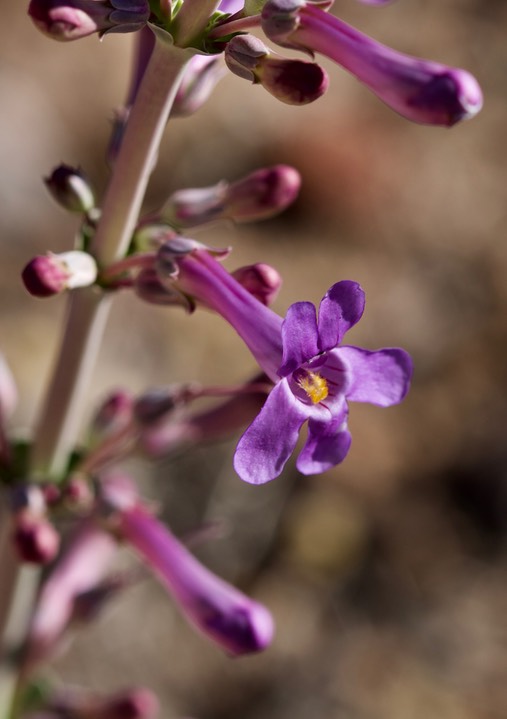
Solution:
(59, 422)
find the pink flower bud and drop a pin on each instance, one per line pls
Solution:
(114, 414)
(74, 19)
(214, 424)
(35, 539)
(51, 274)
(128, 704)
(295, 82)
(81, 567)
(258, 196)
(261, 280)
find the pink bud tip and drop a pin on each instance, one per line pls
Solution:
(35, 539)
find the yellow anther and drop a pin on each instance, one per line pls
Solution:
(314, 385)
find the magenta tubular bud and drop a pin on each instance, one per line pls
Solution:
(73, 19)
(113, 415)
(81, 567)
(8, 390)
(422, 91)
(51, 274)
(134, 703)
(261, 280)
(295, 82)
(212, 425)
(258, 196)
(156, 404)
(200, 78)
(35, 539)
(222, 613)
(262, 194)
(71, 189)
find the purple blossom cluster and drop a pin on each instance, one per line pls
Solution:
(305, 374)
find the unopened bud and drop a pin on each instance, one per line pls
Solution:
(295, 82)
(78, 493)
(74, 19)
(200, 78)
(156, 404)
(71, 189)
(128, 704)
(35, 539)
(51, 274)
(113, 415)
(261, 280)
(420, 90)
(263, 194)
(257, 196)
(226, 616)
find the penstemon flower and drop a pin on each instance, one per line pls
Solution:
(420, 90)
(225, 615)
(315, 376)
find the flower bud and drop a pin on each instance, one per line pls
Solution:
(261, 280)
(113, 415)
(71, 189)
(257, 196)
(236, 623)
(74, 19)
(80, 568)
(156, 404)
(128, 704)
(212, 425)
(51, 274)
(263, 193)
(295, 82)
(420, 90)
(35, 539)
(78, 494)
(200, 78)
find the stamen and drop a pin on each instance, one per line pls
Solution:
(314, 385)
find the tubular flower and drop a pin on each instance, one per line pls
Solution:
(315, 376)
(420, 90)
(225, 615)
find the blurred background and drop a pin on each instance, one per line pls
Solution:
(387, 575)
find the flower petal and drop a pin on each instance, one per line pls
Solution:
(327, 445)
(381, 377)
(299, 337)
(268, 443)
(341, 307)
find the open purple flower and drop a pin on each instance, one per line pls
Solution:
(314, 376)
(317, 377)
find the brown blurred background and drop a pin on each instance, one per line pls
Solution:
(387, 575)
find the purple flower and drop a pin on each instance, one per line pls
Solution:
(314, 376)
(420, 90)
(236, 623)
(317, 378)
